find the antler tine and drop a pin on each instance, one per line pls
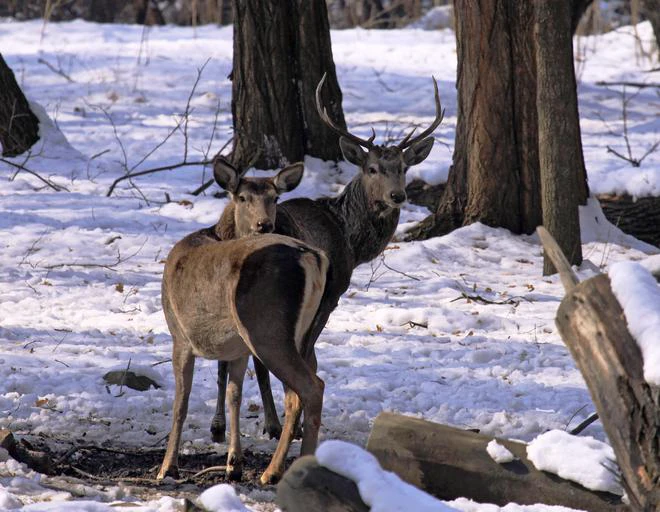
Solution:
(439, 115)
(323, 113)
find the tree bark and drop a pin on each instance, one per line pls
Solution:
(592, 325)
(558, 122)
(450, 463)
(281, 50)
(495, 176)
(638, 217)
(19, 127)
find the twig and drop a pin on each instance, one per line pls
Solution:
(400, 272)
(412, 324)
(641, 85)
(483, 300)
(123, 379)
(584, 424)
(151, 171)
(20, 167)
(55, 70)
(108, 266)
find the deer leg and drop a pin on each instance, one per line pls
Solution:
(183, 363)
(234, 396)
(219, 422)
(304, 390)
(272, 425)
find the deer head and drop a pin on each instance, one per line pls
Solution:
(384, 167)
(253, 200)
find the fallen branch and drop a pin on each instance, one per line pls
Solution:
(54, 186)
(640, 85)
(55, 70)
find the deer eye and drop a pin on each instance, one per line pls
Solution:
(241, 199)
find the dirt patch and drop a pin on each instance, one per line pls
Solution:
(104, 467)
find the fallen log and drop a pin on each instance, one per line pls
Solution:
(593, 326)
(450, 463)
(309, 487)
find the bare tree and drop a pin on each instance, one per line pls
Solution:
(19, 127)
(495, 176)
(281, 51)
(558, 122)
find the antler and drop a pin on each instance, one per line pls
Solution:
(323, 113)
(439, 114)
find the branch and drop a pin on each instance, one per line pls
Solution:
(54, 186)
(640, 85)
(151, 171)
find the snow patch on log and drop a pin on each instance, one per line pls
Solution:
(382, 490)
(585, 460)
(499, 453)
(639, 295)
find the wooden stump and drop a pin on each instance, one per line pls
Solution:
(593, 326)
(450, 463)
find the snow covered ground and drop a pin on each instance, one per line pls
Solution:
(80, 272)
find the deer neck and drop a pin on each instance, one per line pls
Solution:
(225, 229)
(368, 231)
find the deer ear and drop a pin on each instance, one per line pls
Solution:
(289, 177)
(418, 152)
(352, 152)
(225, 174)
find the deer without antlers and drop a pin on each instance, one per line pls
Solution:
(355, 226)
(227, 299)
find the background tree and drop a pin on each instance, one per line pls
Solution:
(495, 176)
(281, 51)
(558, 122)
(19, 127)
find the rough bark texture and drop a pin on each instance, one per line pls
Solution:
(450, 463)
(309, 487)
(281, 50)
(592, 325)
(638, 217)
(560, 161)
(495, 175)
(19, 127)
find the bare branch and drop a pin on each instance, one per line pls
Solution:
(49, 183)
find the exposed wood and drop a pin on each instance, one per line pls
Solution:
(592, 324)
(568, 278)
(450, 463)
(309, 487)
(23, 452)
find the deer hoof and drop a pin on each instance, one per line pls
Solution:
(172, 471)
(269, 478)
(218, 431)
(274, 430)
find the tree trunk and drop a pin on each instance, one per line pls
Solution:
(450, 463)
(558, 123)
(495, 175)
(592, 325)
(281, 50)
(651, 11)
(19, 127)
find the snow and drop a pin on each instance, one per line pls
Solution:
(80, 272)
(381, 490)
(222, 498)
(639, 295)
(499, 453)
(584, 460)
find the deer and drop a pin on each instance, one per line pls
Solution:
(351, 228)
(228, 294)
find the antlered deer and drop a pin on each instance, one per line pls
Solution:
(352, 228)
(227, 299)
